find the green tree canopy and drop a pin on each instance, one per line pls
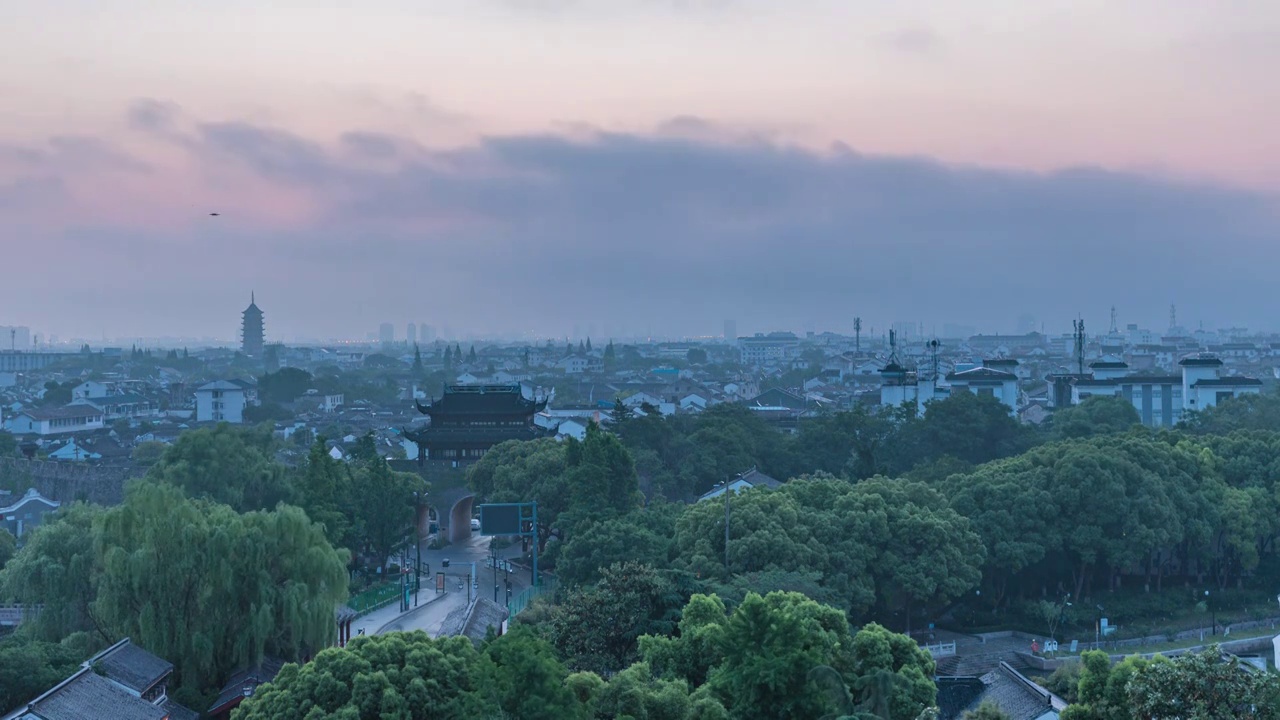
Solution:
(225, 464)
(1098, 415)
(284, 386)
(401, 676)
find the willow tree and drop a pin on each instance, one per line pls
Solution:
(212, 590)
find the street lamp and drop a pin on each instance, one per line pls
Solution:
(1213, 614)
(417, 535)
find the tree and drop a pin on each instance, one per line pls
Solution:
(8, 546)
(324, 490)
(471, 356)
(405, 676)
(610, 356)
(148, 453)
(571, 481)
(598, 629)
(225, 464)
(284, 386)
(643, 536)
(1202, 686)
(619, 415)
(30, 667)
(211, 590)
(769, 646)
(1098, 415)
(382, 508)
(59, 568)
(417, 359)
(8, 444)
(696, 356)
(529, 679)
(893, 671)
(970, 427)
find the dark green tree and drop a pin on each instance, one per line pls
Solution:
(417, 359)
(598, 628)
(1202, 686)
(59, 569)
(405, 676)
(226, 464)
(1098, 415)
(696, 356)
(471, 356)
(8, 547)
(529, 680)
(284, 386)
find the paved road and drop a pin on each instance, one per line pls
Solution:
(428, 617)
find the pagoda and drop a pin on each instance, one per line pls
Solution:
(467, 420)
(252, 337)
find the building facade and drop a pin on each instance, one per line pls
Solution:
(467, 420)
(220, 401)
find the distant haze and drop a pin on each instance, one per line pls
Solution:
(636, 166)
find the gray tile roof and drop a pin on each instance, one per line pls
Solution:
(91, 697)
(1013, 694)
(132, 666)
(179, 712)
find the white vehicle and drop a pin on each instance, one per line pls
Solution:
(475, 524)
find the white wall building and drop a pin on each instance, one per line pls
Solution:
(220, 401)
(56, 421)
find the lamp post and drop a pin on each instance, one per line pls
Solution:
(1213, 615)
(417, 536)
(1097, 631)
(493, 552)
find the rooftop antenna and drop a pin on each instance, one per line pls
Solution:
(893, 347)
(13, 339)
(1114, 327)
(857, 334)
(933, 346)
(1173, 316)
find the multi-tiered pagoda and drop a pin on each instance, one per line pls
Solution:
(467, 420)
(252, 335)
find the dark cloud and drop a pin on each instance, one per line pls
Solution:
(916, 40)
(674, 234)
(72, 154)
(153, 116)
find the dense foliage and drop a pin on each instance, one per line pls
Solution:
(192, 581)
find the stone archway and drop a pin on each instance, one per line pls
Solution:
(460, 519)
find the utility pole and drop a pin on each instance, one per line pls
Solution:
(726, 524)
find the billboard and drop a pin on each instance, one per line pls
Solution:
(501, 519)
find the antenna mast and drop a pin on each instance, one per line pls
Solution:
(1079, 329)
(1115, 328)
(857, 335)
(1173, 316)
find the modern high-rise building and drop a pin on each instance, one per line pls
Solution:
(411, 333)
(252, 331)
(731, 330)
(428, 333)
(386, 333)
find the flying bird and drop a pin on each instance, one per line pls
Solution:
(213, 214)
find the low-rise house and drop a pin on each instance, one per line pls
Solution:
(242, 685)
(123, 682)
(752, 478)
(47, 422)
(21, 517)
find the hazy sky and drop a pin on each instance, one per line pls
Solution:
(635, 165)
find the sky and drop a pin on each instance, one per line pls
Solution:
(635, 166)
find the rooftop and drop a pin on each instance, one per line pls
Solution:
(131, 666)
(88, 695)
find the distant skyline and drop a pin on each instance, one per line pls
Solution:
(643, 165)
